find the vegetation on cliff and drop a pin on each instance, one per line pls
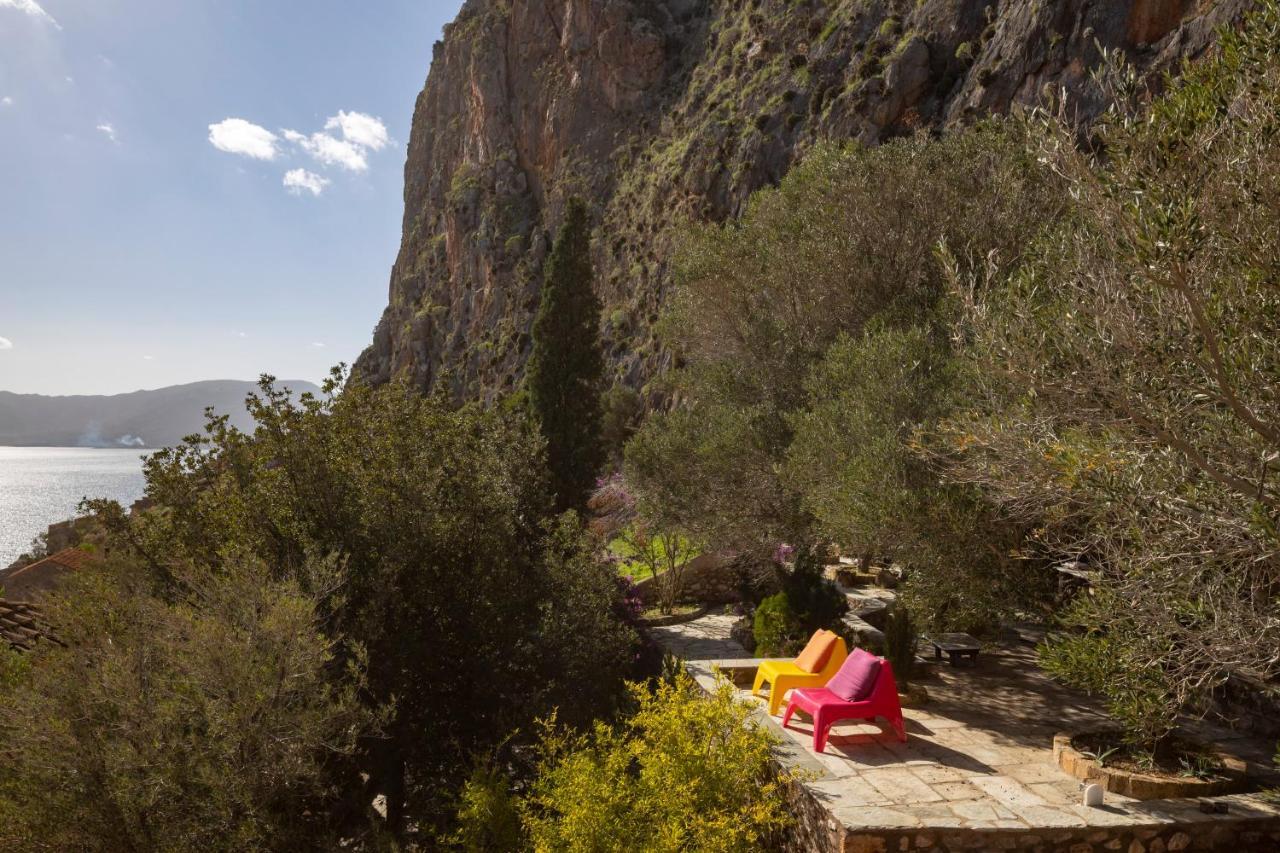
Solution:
(658, 113)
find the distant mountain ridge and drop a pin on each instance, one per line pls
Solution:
(144, 419)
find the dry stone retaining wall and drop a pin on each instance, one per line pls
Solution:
(709, 579)
(1249, 826)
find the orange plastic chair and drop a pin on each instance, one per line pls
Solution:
(784, 675)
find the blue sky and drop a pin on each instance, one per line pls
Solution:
(200, 189)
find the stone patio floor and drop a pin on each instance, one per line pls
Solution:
(978, 754)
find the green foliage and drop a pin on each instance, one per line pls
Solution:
(209, 722)
(1139, 697)
(488, 815)
(417, 501)
(900, 637)
(807, 602)
(851, 457)
(685, 772)
(623, 410)
(566, 365)
(847, 238)
(1124, 373)
(775, 625)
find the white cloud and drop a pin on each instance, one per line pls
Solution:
(6, 101)
(330, 150)
(297, 180)
(360, 129)
(108, 130)
(237, 136)
(357, 135)
(5, 343)
(240, 334)
(317, 344)
(32, 8)
(148, 358)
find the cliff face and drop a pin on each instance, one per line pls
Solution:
(658, 111)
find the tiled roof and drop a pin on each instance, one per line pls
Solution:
(21, 624)
(72, 558)
(25, 583)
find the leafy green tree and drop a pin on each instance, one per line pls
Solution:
(478, 611)
(855, 460)
(211, 722)
(849, 238)
(851, 456)
(1125, 373)
(566, 366)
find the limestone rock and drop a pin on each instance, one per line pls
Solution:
(658, 111)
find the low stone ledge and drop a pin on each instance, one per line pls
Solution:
(741, 672)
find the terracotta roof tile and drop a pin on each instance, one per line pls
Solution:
(22, 624)
(29, 581)
(72, 558)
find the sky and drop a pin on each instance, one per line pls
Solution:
(200, 189)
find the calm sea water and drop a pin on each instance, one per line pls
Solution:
(43, 485)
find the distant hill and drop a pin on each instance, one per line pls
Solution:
(156, 418)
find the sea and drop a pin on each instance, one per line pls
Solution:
(40, 486)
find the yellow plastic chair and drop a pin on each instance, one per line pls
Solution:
(783, 675)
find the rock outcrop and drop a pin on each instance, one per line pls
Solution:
(662, 111)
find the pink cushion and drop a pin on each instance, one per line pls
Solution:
(857, 677)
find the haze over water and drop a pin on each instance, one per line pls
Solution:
(40, 486)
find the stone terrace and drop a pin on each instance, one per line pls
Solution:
(977, 771)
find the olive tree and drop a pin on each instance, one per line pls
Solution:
(1128, 385)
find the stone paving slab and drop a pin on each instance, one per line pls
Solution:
(703, 639)
(978, 755)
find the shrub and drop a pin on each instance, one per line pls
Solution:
(775, 626)
(808, 601)
(686, 772)
(623, 410)
(488, 815)
(417, 501)
(816, 601)
(1105, 660)
(210, 722)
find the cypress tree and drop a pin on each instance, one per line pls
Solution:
(567, 365)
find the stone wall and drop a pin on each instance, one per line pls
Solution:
(709, 579)
(1249, 825)
(1238, 837)
(715, 579)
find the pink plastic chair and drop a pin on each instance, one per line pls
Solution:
(827, 709)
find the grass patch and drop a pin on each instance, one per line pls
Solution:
(629, 563)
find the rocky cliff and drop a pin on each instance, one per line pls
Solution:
(658, 111)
